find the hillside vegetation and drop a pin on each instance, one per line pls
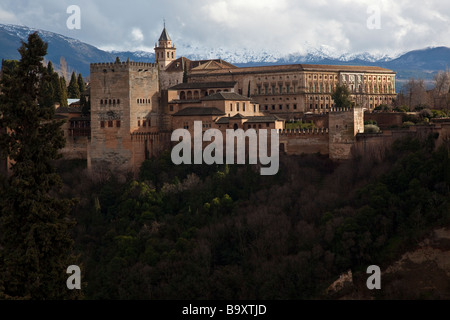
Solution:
(225, 232)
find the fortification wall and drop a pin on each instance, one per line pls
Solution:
(297, 142)
(385, 120)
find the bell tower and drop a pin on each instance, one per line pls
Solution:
(165, 51)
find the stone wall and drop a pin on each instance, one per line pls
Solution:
(296, 142)
(385, 120)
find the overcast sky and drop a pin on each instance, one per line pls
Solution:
(285, 26)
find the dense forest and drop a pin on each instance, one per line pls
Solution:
(226, 232)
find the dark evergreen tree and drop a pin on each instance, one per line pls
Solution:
(185, 74)
(341, 96)
(35, 246)
(117, 60)
(85, 105)
(50, 68)
(81, 84)
(63, 88)
(73, 92)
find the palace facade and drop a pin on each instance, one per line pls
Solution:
(136, 106)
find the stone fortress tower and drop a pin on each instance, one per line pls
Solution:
(124, 114)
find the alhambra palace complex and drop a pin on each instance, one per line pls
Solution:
(136, 106)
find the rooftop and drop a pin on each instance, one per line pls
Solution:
(294, 67)
(164, 35)
(199, 111)
(204, 85)
(226, 96)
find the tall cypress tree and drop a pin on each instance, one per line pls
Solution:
(73, 92)
(81, 84)
(63, 88)
(35, 246)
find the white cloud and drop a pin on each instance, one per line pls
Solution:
(285, 26)
(137, 35)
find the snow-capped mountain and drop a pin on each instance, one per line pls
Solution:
(78, 55)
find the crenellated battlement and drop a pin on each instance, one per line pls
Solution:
(302, 132)
(341, 110)
(101, 66)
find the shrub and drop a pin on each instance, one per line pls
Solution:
(371, 128)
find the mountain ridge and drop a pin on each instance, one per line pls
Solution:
(421, 63)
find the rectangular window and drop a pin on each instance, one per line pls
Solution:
(102, 124)
(266, 108)
(118, 123)
(281, 107)
(110, 124)
(287, 89)
(259, 89)
(171, 107)
(237, 106)
(144, 123)
(266, 89)
(273, 107)
(231, 107)
(295, 106)
(139, 123)
(273, 89)
(243, 107)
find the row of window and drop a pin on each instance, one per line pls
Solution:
(243, 107)
(273, 77)
(275, 89)
(143, 101)
(280, 107)
(144, 123)
(110, 123)
(169, 54)
(109, 101)
(370, 78)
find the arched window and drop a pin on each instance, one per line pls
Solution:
(101, 101)
(118, 101)
(235, 126)
(196, 95)
(114, 101)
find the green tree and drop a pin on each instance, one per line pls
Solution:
(35, 246)
(185, 74)
(85, 105)
(63, 95)
(81, 84)
(341, 96)
(73, 91)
